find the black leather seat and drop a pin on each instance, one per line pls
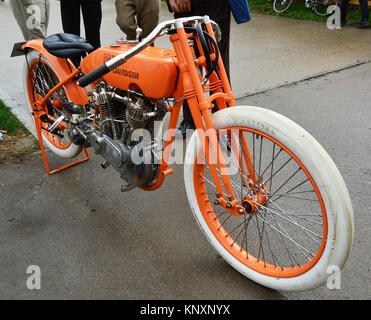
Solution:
(66, 45)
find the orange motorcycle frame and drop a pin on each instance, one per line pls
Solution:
(190, 88)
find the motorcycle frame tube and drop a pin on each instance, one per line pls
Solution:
(230, 99)
(199, 107)
(222, 73)
(59, 85)
(232, 102)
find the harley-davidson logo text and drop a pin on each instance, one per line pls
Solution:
(121, 71)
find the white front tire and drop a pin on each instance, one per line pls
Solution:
(331, 186)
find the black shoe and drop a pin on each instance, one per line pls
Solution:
(184, 126)
(362, 24)
(342, 24)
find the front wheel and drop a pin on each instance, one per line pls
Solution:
(303, 225)
(281, 6)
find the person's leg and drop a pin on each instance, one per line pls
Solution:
(343, 10)
(44, 7)
(364, 10)
(20, 15)
(92, 15)
(225, 27)
(70, 13)
(32, 17)
(47, 10)
(125, 19)
(148, 15)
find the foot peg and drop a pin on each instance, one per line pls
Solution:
(105, 165)
(56, 124)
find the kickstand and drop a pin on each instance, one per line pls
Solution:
(84, 156)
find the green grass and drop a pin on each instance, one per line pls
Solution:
(29, 150)
(299, 11)
(9, 122)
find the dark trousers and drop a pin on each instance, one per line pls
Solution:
(92, 15)
(224, 25)
(364, 10)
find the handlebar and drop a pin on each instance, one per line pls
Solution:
(122, 58)
(93, 76)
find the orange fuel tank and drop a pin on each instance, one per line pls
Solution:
(152, 71)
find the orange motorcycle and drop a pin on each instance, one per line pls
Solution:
(265, 193)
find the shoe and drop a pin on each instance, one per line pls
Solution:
(342, 24)
(184, 126)
(362, 24)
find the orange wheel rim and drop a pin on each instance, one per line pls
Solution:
(236, 249)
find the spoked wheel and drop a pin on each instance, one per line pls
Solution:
(281, 6)
(298, 218)
(39, 79)
(320, 7)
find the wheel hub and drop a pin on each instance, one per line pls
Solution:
(248, 206)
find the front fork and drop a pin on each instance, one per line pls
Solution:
(200, 110)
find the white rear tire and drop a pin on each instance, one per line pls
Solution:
(72, 150)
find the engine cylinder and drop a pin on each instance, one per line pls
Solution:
(136, 114)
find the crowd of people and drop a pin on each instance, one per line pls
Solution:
(131, 13)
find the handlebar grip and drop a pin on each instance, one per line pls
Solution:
(93, 75)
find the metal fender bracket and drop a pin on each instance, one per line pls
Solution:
(18, 49)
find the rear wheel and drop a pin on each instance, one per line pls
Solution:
(320, 7)
(300, 219)
(39, 78)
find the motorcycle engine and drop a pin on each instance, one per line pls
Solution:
(121, 117)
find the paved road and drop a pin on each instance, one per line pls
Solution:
(91, 241)
(336, 110)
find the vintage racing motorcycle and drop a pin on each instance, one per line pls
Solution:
(265, 193)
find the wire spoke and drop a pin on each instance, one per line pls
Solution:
(285, 228)
(288, 237)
